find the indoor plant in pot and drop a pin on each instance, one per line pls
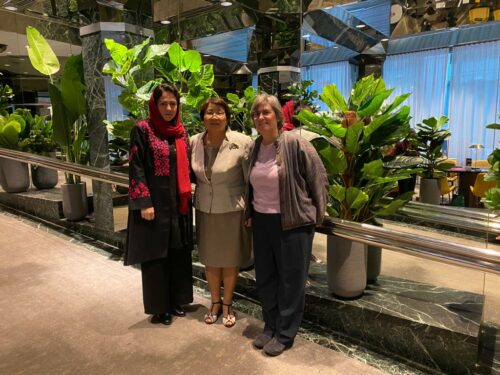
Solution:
(69, 106)
(40, 142)
(428, 141)
(354, 136)
(14, 175)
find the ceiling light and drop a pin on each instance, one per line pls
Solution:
(384, 39)
(165, 22)
(25, 72)
(45, 14)
(226, 3)
(361, 26)
(9, 52)
(6, 64)
(11, 8)
(243, 70)
(305, 36)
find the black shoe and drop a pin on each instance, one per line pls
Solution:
(164, 318)
(261, 340)
(178, 311)
(274, 348)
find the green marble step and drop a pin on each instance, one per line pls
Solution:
(437, 328)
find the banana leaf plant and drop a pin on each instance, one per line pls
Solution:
(67, 96)
(428, 141)
(492, 198)
(354, 136)
(135, 69)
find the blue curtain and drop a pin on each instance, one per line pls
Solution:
(424, 75)
(474, 99)
(341, 73)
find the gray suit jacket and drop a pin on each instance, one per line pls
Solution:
(225, 192)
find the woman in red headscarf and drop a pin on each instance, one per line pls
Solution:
(159, 233)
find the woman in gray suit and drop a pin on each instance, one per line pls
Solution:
(220, 162)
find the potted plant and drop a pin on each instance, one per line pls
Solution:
(492, 198)
(240, 110)
(69, 122)
(14, 175)
(428, 142)
(40, 141)
(354, 136)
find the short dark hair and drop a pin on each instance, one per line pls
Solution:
(165, 87)
(216, 101)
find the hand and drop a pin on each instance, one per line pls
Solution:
(148, 213)
(248, 223)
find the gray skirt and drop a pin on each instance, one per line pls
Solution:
(222, 239)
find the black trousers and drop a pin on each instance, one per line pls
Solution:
(167, 282)
(281, 266)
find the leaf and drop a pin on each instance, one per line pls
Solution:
(72, 86)
(120, 129)
(61, 120)
(176, 55)
(352, 137)
(395, 205)
(117, 51)
(155, 50)
(233, 98)
(192, 61)
(41, 55)
(333, 159)
(9, 134)
(337, 192)
(397, 101)
(356, 198)
(374, 104)
(135, 51)
(373, 169)
(332, 97)
(493, 126)
(207, 75)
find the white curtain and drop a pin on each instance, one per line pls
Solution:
(341, 73)
(424, 75)
(474, 99)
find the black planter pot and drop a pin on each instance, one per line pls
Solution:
(14, 176)
(44, 178)
(74, 201)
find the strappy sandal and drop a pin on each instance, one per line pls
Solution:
(212, 318)
(229, 320)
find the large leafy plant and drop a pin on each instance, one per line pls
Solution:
(428, 141)
(138, 70)
(354, 136)
(240, 110)
(6, 95)
(12, 130)
(492, 198)
(67, 95)
(300, 91)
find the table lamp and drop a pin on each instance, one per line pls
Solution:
(476, 146)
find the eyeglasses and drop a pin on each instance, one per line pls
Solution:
(215, 113)
(256, 114)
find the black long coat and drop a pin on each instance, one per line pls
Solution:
(149, 240)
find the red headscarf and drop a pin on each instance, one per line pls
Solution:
(287, 111)
(174, 129)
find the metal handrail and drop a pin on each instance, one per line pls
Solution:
(466, 256)
(73, 168)
(422, 246)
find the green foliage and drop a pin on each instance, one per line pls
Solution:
(6, 95)
(428, 141)
(14, 129)
(41, 55)
(492, 198)
(354, 135)
(39, 140)
(134, 69)
(300, 91)
(240, 110)
(67, 96)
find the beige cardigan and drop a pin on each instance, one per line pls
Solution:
(226, 190)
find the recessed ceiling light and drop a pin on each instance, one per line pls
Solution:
(11, 8)
(166, 22)
(226, 3)
(384, 39)
(361, 26)
(45, 14)
(6, 64)
(206, 55)
(9, 52)
(21, 59)
(25, 72)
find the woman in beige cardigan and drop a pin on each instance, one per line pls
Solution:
(220, 162)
